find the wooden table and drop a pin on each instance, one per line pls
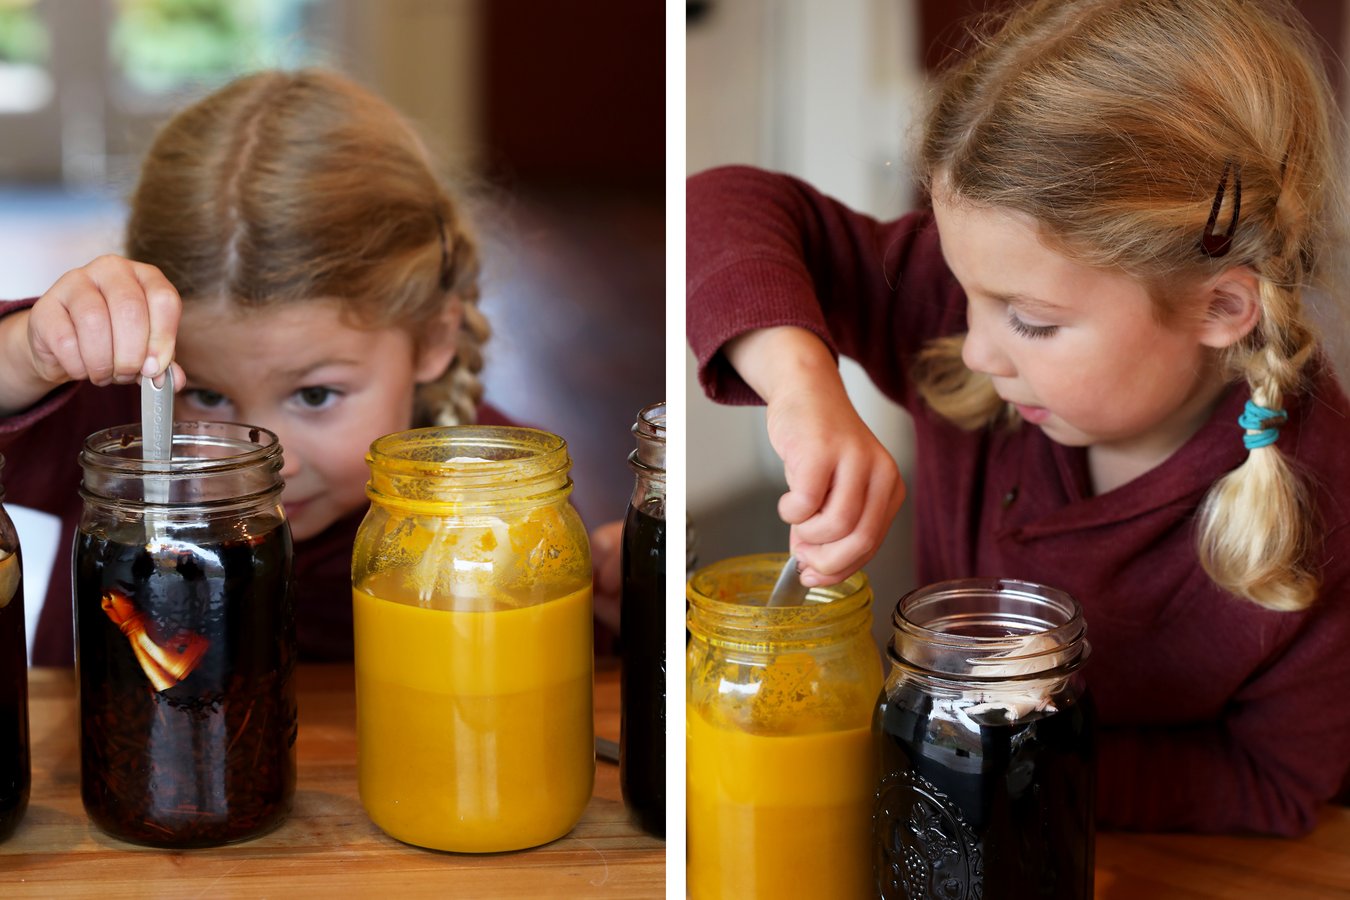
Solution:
(328, 847)
(1182, 867)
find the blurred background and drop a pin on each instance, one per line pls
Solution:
(829, 92)
(551, 116)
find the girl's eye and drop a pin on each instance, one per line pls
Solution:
(204, 398)
(1027, 330)
(315, 397)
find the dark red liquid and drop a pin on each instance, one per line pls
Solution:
(210, 759)
(642, 742)
(1004, 811)
(14, 768)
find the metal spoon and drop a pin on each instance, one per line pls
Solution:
(156, 444)
(789, 590)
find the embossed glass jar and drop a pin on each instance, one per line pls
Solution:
(780, 759)
(987, 748)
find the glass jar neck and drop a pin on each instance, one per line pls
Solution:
(213, 465)
(648, 461)
(988, 630)
(650, 431)
(726, 608)
(468, 467)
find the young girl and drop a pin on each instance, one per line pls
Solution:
(1100, 332)
(292, 255)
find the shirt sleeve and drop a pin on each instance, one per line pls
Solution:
(765, 249)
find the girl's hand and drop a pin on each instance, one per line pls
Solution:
(108, 322)
(844, 488)
(607, 580)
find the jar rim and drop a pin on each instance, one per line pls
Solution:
(983, 627)
(468, 466)
(651, 422)
(733, 616)
(443, 450)
(118, 449)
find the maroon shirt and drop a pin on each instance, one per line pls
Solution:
(41, 448)
(1216, 714)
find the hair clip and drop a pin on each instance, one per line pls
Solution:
(1216, 245)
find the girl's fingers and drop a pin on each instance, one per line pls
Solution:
(838, 516)
(112, 321)
(109, 321)
(164, 309)
(808, 481)
(56, 348)
(833, 561)
(92, 319)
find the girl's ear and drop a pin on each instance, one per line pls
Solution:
(1233, 307)
(438, 342)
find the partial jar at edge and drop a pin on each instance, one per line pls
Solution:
(772, 695)
(642, 740)
(471, 585)
(15, 774)
(986, 734)
(185, 636)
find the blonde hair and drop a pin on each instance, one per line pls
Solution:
(293, 186)
(1111, 123)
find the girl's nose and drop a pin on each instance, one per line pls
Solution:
(290, 455)
(981, 351)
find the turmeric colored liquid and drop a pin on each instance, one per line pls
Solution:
(475, 728)
(778, 815)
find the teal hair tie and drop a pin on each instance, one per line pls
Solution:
(1255, 419)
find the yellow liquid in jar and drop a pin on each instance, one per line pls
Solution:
(475, 729)
(774, 816)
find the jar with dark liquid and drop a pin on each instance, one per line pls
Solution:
(185, 637)
(14, 763)
(985, 731)
(642, 741)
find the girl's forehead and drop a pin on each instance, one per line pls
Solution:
(228, 311)
(301, 330)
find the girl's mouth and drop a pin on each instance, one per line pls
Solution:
(1036, 415)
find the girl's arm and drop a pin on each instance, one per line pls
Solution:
(843, 486)
(781, 279)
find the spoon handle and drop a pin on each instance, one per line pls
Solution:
(156, 435)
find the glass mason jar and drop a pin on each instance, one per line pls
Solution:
(471, 584)
(986, 735)
(185, 636)
(780, 756)
(14, 768)
(642, 734)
